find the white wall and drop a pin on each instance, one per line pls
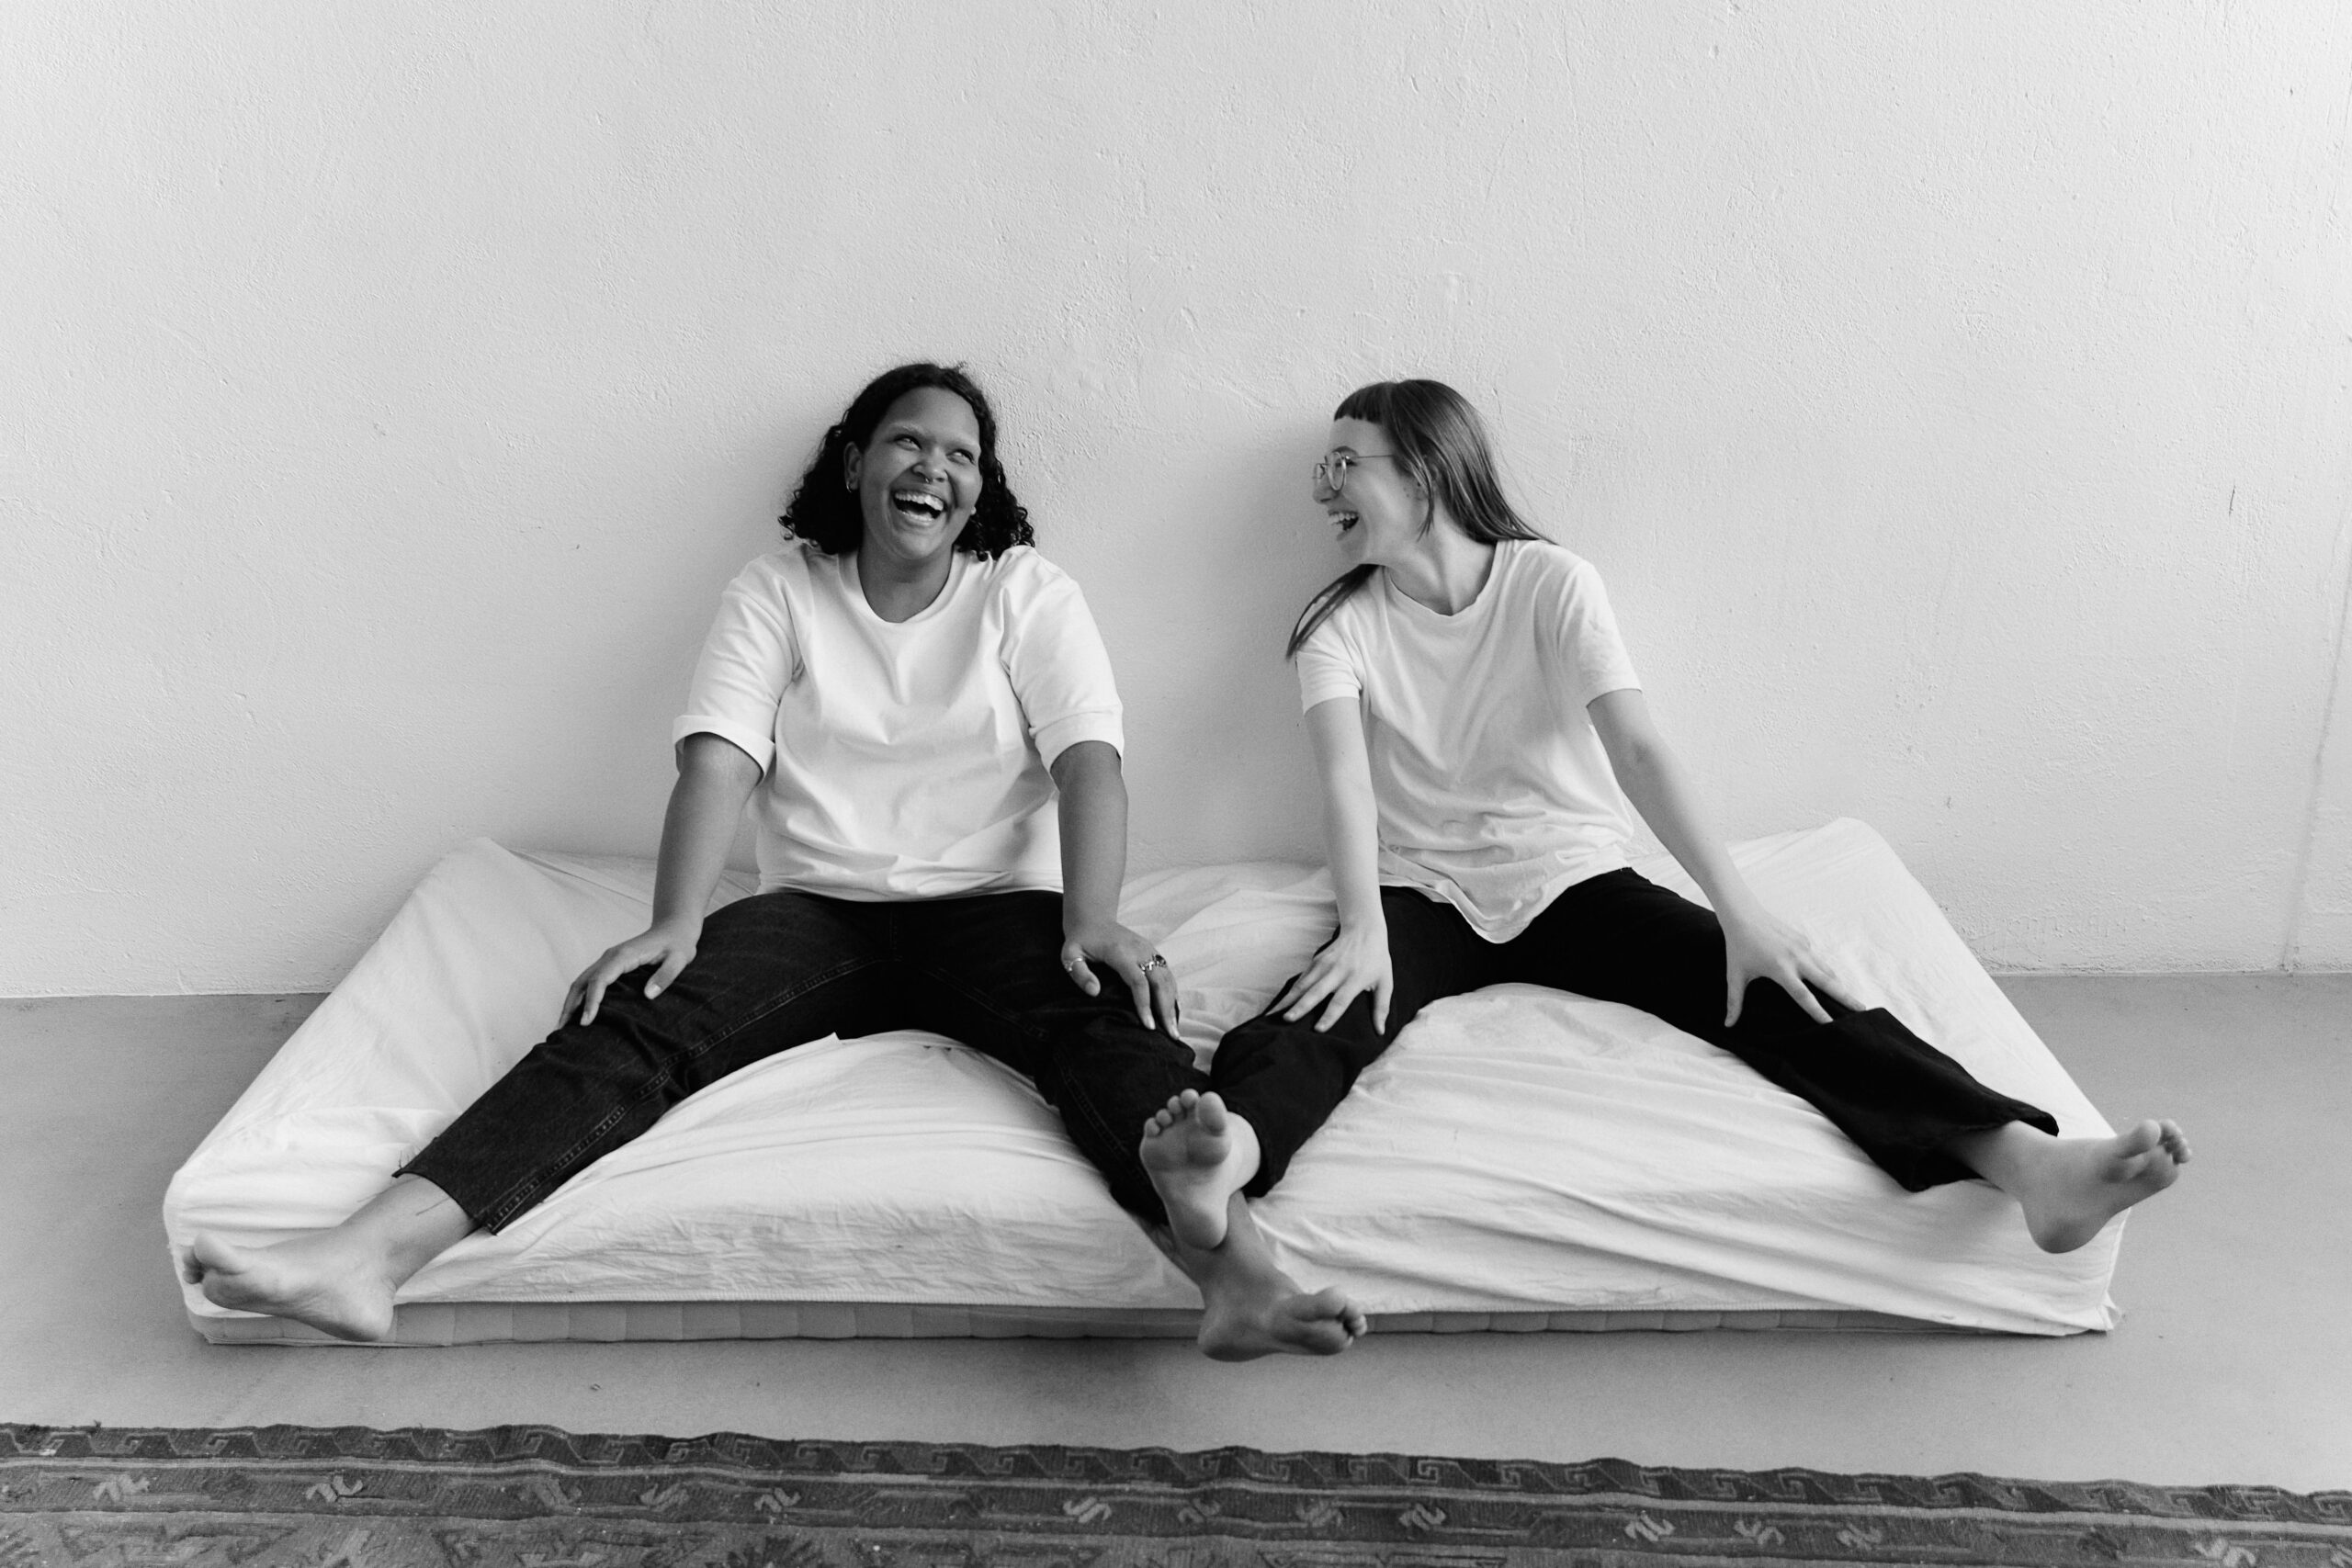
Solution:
(2321, 934)
(1957, 399)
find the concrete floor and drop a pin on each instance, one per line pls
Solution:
(2235, 1365)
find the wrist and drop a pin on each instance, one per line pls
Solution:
(1741, 918)
(1733, 899)
(1079, 922)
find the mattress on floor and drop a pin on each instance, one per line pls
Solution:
(1520, 1160)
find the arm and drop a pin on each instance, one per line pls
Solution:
(1356, 958)
(715, 778)
(1093, 817)
(1756, 945)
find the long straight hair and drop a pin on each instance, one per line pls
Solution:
(1441, 445)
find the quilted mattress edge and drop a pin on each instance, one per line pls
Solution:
(424, 1323)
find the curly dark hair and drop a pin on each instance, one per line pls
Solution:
(824, 511)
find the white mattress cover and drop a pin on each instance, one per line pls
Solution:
(1521, 1158)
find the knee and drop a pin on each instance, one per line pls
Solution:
(1247, 1043)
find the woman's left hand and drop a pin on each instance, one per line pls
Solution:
(1757, 945)
(1132, 959)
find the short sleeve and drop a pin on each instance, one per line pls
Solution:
(1055, 657)
(747, 661)
(1591, 654)
(1325, 670)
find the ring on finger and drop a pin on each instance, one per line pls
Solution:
(1154, 962)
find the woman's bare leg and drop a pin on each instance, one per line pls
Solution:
(339, 1280)
(1199, 1156)
(2069, 1187)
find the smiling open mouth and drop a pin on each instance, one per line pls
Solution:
(918, 504)
(1344, 519)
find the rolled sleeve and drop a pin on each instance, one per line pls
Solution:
(1325, 671)
(1589, 649)
(747, 661)
(1060, 669)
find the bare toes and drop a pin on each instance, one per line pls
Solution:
(1332, 1302)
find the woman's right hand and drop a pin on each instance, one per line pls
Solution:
(669, 948)
(1353, 961)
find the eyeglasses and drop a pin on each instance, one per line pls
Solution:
(1331, 468)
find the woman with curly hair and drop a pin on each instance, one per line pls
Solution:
(918, 711)
(1475, 717)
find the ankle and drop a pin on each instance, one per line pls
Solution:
(2007, 1155)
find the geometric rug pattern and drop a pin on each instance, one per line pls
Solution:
(539, 1498)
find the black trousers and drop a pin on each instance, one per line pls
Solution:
(1621, 938)
(783, 968)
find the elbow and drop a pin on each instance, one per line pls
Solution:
(1352, 801)
(1642, 769)
(1646, 758)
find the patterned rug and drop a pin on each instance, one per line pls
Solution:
(537, 1497)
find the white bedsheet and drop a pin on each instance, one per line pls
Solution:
(1517, 1150)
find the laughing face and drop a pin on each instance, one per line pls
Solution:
(917, 480)
(1380, 513)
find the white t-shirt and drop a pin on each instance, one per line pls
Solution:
(906, 760)
(1493, 789)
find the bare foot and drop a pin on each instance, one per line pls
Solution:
(1250, 1308)
(311, 1280)
(1240, 1323)
(2088, 1181)
(2069, 1187)
(1198, 1155)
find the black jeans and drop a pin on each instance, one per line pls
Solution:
(783, 968)
(1621, 938)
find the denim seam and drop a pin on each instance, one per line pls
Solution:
(1070, 1094)
(525, 1192)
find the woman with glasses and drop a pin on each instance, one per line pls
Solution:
(1475, 717)
(918, 710)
